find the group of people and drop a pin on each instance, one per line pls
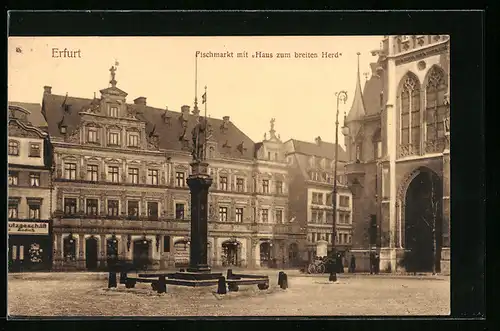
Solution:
(338, 264)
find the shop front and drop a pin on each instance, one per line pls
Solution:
(30, 246)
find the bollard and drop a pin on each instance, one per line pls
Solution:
(123, 277)
(263, 286)
(162, 285)
(129, 283)
(284, 281)
(221, 286)
(112, 279)
(333, 277)
(280, 277)
(229, 273)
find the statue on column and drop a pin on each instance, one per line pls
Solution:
(198, 136)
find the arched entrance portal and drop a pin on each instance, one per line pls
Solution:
(423, 222)
(293, 255)
(141, 253)
(231, 253)
(265, 254)
(91, 253)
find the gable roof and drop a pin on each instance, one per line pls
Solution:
(323, 149)
(52, 109)
(35, 117)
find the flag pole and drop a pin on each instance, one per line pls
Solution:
(206, 125)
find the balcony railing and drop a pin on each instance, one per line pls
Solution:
(435, 146)
(408, 150)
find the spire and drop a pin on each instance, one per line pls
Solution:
(357, 111)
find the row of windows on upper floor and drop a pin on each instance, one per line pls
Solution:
(153, 178)
(34, 148)
(318, 199)
(316, 162)
(114, 137)
(318, 217)
(342, 238)
(325, 177)
(133, 210)
(33, 204)
(34, 179)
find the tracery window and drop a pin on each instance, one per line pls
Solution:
(435, 110)
(409, 127)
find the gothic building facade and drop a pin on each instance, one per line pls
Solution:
(311, 191)
(29, 190)
(397, 140)
(121, 192)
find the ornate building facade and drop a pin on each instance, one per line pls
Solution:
(311, 190)
(397, 139)
(121, 191)
(30, 191)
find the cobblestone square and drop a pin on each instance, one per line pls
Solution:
(86, 294)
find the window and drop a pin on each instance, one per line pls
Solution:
(345, 238)
(13, 178)
(133, 208)
(92, 172)
(113, 173)
(13, 210)
(222, 214)
(152, 176)
(329, 217)
(113, 206)
(69, 206)
(265, 186)
(70, 171)
(239, 184)
(328, 237)
(239, 215)
(133, 139)
(344, 201)
(34, 150)
(223, 183)
(92, 135)
(276, 156)
(279, 187)
(34, 179)
(113, 138)
(92, 206)
(179, 211)
(34, 211)
(133, 175)
(13, 147)
(179, 178)
(313, 236)
(317, 198)
(377, 149)
(279, 216)
(329, 200)
(435, 94)
(265, 215)
(268, 155)
(410, 114)
(153, 209)
(166, 244)
(113, 111)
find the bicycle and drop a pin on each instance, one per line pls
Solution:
(316, 267)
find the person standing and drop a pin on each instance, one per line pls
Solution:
(377, 263)
(352, 266)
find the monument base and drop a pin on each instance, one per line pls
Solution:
(200, 269)
(196, 275)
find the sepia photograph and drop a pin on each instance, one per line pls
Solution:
(229, 176)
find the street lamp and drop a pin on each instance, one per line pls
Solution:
(341, 97)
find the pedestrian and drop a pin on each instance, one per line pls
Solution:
(340, 265)
(377, 263)
(352, 266)
(372, 263)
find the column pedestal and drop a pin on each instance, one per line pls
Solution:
(199, 183)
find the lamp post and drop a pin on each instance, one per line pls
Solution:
(341, 97)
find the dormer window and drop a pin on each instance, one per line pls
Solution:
(133, 139)
(113, 111)
(92, 135)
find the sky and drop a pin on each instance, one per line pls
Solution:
(298, 92)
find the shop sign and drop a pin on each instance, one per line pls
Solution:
(29, 228)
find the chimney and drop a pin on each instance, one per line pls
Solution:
(226, 119)
(47, 90)
(185, 112)
(140, 101)
(318, 140)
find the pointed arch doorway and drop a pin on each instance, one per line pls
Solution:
(423, 222)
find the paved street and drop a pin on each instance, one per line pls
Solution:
(86, 294)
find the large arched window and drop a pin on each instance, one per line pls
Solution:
(409, 128)
(435, 109)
